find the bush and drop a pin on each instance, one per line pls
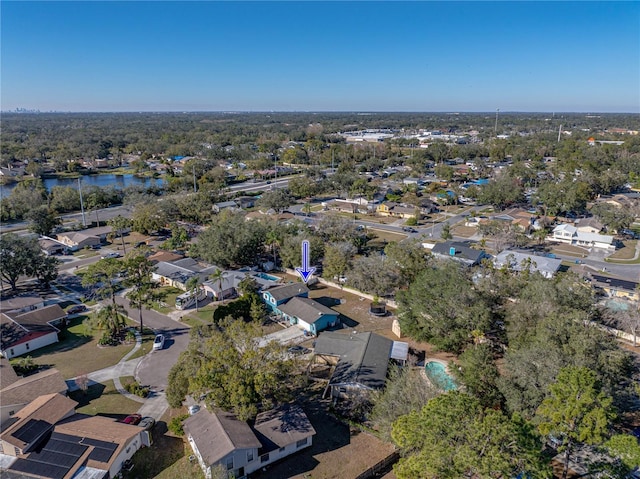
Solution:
(107, 340)
(24, 366)
(137, 389)
(411, 221)
(175, 425)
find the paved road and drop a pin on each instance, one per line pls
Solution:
(153, 369)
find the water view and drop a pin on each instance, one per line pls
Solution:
(117, 181)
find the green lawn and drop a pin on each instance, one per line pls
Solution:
(105, 400)
(168, 303)
(625, 253)
(78, 353)
(204, 314)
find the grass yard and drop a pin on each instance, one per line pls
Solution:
(147, 341)
(203, 315)
(168, 457)
(570, 250)
(626, 253)
(464, 231)
(383, 237)
(104, 400)
(168, 303)
(85, 253)
(78, 353)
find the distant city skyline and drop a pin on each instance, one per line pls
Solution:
(320, 56)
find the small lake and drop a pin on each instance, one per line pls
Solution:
(117, 181)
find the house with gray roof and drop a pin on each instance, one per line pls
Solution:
(16, 391)
(308, 314)
(517, 261)
(461, 252)
(566, 233)
(280, 294)
(220, 438)
(361, 361)
(227, 287)
(177, 273)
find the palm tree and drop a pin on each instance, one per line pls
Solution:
(193, 285)
(218, 276)
(110, 317)
(273, 240)
(144, 291)
(120, 223)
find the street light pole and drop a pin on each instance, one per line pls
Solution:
(496, 127)
(84, 221)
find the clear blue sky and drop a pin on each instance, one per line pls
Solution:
(320, 56)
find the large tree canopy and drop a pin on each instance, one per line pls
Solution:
(453, 437)
(442, 307)
(23, 256)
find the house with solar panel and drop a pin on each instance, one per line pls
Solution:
(219, 438)
(48, 439)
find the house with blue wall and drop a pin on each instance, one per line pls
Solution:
(277, 295)
(308, 314)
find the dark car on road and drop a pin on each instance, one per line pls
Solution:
(77, 308)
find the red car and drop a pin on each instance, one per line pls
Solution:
(132, 419)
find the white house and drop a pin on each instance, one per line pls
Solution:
(220, 438)
(517, 261)
(569, 234)
(22, 332)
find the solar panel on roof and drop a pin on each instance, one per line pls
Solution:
(38, 469)
(33, 429)
(103, 450)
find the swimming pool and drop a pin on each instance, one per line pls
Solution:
(437, 374)
(267, 277)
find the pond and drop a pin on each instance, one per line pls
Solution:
(117, 181)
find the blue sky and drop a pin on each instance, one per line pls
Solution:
(320, 56)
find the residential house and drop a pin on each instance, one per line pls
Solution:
(390, 208)
(569, 234)
(361, 361)
(461, 252)
(616, 287)
(50, 246)
(517, 261)
(228, 286)
(342, 205)
(245, 202)
(177, 273)
(21, 304)
(22, 332)
(277, 295)
(589, 225)
(75, 240)
(164, 256)
(16, 391)
(220, 438)
(47, 439)
(308, 314)
(224, 205)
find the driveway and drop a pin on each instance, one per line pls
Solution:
(154, 367)
(290, 335)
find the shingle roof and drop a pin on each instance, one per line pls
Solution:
(286, 291)
(217, 434)
(306, 309)
(19, 302)
(364, 357)
(463, 252)
(23, 390)
(8, 375)
(515, 260)
(282, 426)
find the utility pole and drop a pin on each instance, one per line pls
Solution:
(496, 127)
(559, 131)
(195, 190)
(84, 221)
(275, 163)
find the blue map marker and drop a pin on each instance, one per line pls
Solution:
(305, 271)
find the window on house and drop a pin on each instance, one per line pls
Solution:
(249, 456)
(27, 346)
(264, 457)
(301, 442)
(281, 449)
(229, 463)
(12, 352)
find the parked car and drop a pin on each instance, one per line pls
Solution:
(132, 419)
(296, 350)
(77, 308)
(147, 423)
(113, 254)
(193, 409)
(409, 229)
(158, 342)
